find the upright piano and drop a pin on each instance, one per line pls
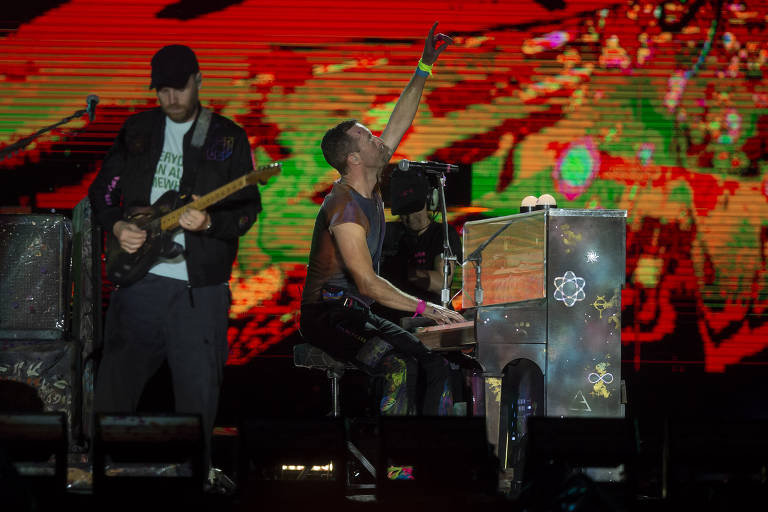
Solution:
(547, 316)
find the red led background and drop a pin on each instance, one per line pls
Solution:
(657, 108)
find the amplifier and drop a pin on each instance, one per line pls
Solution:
(34, 276)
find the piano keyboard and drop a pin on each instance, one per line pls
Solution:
(448, 336)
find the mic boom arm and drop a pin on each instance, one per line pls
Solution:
(22, 143)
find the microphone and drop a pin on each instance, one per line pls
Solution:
(428, 167)
(92, 100)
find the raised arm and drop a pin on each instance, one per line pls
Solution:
(408, 103)
(350, 239)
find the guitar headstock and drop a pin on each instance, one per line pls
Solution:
(263, 173)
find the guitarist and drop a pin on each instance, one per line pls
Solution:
(179, 310)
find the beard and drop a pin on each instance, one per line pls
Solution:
(180, 113)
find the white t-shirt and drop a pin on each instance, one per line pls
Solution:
(168, 174)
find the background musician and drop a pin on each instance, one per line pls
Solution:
(413, 246)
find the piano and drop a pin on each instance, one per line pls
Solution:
(448, 337)
(547, 317)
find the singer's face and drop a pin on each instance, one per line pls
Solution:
(180, 104)
(373, 152)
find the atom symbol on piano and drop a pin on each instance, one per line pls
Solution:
(569, 288)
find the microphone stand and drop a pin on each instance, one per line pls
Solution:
(448, 256)
(21, 143)
(477, 258)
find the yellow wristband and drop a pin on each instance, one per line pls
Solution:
(426, 68)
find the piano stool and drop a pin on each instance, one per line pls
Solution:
(306, 355)
(309, 356)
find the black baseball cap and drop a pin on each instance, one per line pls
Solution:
(172, 65)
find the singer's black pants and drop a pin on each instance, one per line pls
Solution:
(354, 334)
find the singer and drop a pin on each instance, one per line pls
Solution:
(342, 280)
(179, 311)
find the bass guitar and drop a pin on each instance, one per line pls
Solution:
(160, 222)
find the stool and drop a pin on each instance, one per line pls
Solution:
(309, 356)
(306, 355)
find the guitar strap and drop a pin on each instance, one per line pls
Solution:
(201, 129)
(195, 152)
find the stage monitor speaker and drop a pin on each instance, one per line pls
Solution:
(298, 461)
(570, 458)
(140, 457)
(434, 460)
(34, 276)
(34, 449)
(716, 463)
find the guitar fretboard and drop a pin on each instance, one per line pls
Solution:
(170, 221)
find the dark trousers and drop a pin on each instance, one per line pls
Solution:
(355, 335)
(154, 320)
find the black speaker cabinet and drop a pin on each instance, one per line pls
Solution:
(34, 276)
(35, 445)
(148, 460)
(41, 376)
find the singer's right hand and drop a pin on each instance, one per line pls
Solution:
(129, 235)
(442, 315)
(434, 46)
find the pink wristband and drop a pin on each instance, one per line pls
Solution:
(420, 307)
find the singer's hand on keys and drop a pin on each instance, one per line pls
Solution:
(441, 315)
(129, 236)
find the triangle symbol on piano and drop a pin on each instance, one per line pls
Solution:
(579, 403)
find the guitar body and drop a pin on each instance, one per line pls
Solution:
(125, 268)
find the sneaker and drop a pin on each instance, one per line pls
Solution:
(219, 483)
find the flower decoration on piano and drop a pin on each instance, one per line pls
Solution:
(569, 289)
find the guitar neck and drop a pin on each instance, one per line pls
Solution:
(170, 221)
